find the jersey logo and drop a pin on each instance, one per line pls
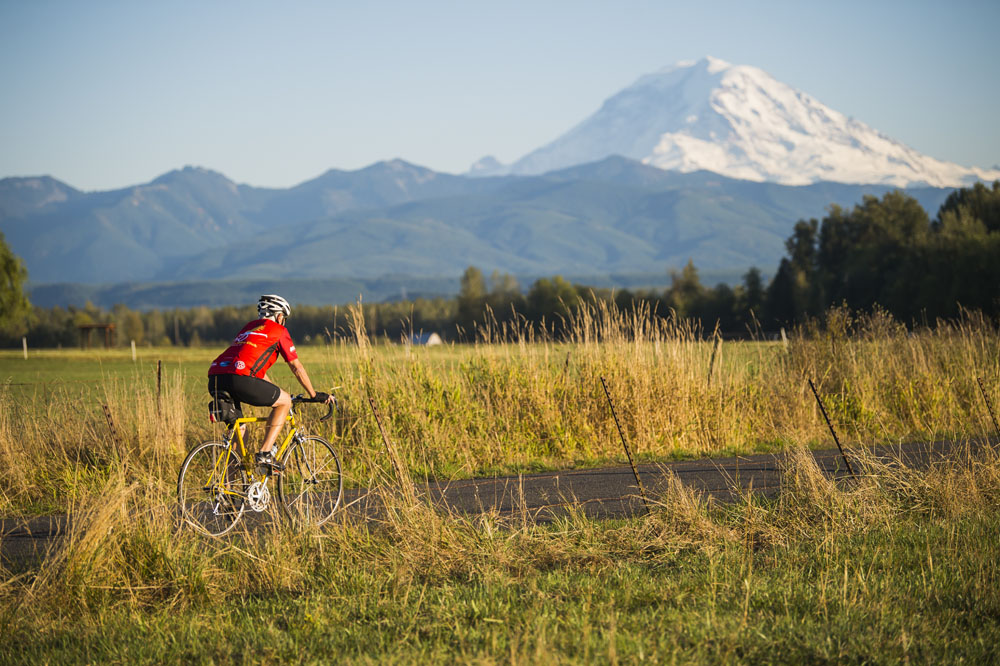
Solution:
(240, 365)
(243, 337)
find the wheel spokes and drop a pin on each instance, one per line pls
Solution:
(212, 507)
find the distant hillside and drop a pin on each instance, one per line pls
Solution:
(378, 186)
(145, 232)
(128, 234)
(615, 216)
(31, 196)
(215, 293)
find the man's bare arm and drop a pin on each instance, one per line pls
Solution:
(300, 373)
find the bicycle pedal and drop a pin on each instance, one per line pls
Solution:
(267, 462)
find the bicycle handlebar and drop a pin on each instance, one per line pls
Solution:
(329, 412)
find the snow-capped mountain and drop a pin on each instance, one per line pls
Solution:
(740, 122)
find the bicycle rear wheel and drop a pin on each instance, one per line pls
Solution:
(312, 484)
(211, 488)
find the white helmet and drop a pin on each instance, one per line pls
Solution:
(269, 305)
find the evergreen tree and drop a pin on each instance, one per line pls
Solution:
(753, 293)
(685, 292)
(471, 300)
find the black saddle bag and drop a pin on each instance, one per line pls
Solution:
(222, 409)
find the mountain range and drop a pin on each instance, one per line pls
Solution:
(703, 161)
(394, 218)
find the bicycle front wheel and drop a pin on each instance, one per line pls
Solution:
(211, 488)
(312, 484)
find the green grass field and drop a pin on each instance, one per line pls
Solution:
(898, 567)
(901, 567)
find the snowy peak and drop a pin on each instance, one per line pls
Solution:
(740, 122)
(487, 166)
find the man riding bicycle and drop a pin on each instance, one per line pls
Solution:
(241, 371)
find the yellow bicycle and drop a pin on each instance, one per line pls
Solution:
(219, 481)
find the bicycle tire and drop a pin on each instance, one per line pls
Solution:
(204, 504)
(311, 485)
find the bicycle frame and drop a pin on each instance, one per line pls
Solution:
(234, 437)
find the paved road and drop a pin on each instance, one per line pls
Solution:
(599, 493)
(613, 492)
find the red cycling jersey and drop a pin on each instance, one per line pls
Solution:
(254, 350)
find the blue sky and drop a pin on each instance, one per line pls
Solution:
(108, 94)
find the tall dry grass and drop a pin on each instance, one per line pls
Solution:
(519, 400)
(514, 401)
(855, 561)
(63, 446)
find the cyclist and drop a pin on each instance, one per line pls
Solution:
(241, 370)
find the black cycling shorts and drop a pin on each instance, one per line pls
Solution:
(251, 390)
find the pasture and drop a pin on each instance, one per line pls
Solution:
(898, 566)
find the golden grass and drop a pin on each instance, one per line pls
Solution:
(518, 401)
(125, 558)
(124, 544)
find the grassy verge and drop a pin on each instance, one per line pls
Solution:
(900, 566)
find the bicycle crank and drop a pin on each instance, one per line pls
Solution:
(258, 496)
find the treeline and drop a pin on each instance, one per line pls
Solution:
(498, 302)
(886, 252)
(60, 327)
(889, 252)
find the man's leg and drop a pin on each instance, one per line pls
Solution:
(276, 420)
